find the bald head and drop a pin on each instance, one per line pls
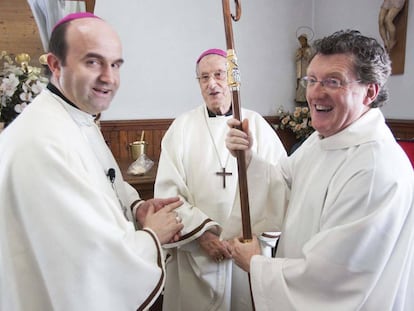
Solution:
(94, 35)
(73, 16)
(58, 44)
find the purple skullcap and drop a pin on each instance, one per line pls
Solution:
(73, 16)
(212, 51)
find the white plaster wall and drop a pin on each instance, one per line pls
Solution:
(162, 40)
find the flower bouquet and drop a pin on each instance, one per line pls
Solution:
(299, 122)
(19, 85)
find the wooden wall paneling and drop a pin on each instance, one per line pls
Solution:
(114, 143)
(150, 141)
(158, 135)
(124, 144)
(286, 136)
(403, 129)
(18, 30)
(119, 134)
(112, 140)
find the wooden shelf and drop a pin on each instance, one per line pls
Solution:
(144, 184)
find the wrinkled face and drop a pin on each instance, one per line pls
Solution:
(333, 109)
(216, 92)
(91, 75)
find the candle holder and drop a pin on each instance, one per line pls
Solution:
(23, 60)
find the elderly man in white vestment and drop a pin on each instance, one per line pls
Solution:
(195, 165)
(67, 235)
(344, 200)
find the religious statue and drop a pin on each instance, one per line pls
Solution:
(389, 10)
(303, 55)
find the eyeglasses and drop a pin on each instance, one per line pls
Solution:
(329, 83)
(219, 75)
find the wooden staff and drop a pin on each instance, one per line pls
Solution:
(233, 79)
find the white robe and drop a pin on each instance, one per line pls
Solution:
(348, 230)
(65, 243)
(187, 167)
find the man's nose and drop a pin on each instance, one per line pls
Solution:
(107, 74)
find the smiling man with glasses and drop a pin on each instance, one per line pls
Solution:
(344, 200)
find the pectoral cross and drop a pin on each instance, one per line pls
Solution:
(223, 173)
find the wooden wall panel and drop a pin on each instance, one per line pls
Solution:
(403, 129)
(18, 30)
(286, 136)
(119, 134)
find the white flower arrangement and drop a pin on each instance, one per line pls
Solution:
(19, 85)
(299, 122)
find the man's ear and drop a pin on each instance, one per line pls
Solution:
(54, 64)
(372, 93)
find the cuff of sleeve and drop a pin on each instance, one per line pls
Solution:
(134, 206)
(158, 244)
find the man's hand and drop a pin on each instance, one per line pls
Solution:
(158, 204)
(165, 222)
(239, 139)
(217, 250)
(243, 252)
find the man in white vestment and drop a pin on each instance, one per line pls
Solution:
(195, 165)
(68, 221)
(344, 200)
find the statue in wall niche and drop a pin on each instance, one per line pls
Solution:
(389, 10)
(303, 54)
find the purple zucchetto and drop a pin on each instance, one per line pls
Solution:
(73, 16)
(212, 51)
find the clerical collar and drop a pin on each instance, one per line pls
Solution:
(211, 114)
(57, 92)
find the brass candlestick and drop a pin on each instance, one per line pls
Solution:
(23, 60)
(43, 59)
